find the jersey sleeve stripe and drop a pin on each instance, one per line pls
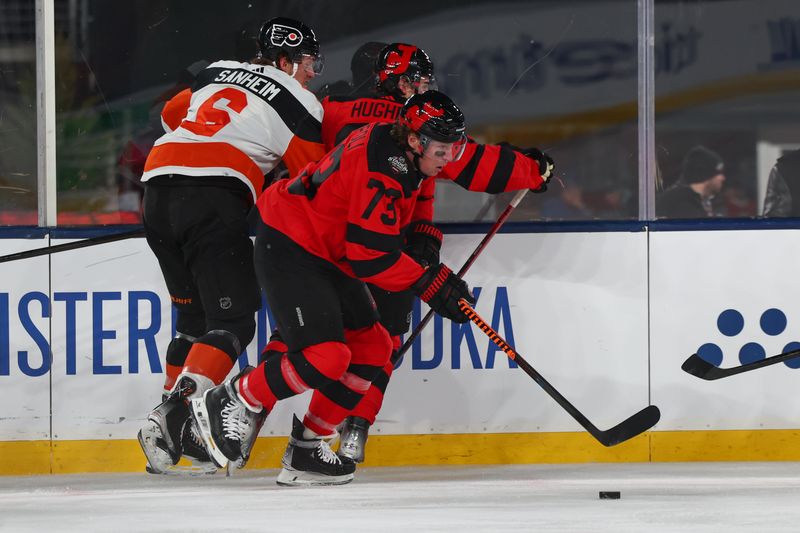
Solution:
(467, 174)
(502, 172)
(372, 267)
(373, 240)
(211, 155)
(399, 277)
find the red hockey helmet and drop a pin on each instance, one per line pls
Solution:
(400, 60)
(434, 116)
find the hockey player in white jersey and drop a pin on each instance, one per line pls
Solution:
(235, 124)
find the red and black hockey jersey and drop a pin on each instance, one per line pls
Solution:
(238, 120)
(350, 207)
(345, 114)
(484, 168)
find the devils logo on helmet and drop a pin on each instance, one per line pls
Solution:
(397, 60)
(402, 61)
(434, 115)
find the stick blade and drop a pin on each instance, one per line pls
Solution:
(700, 368)
(630, 427)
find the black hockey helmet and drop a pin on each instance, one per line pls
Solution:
(290, 36)
(399, 60)
(434, 115)
(363, 63)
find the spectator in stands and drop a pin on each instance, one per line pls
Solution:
(702, 177)
(783, 188)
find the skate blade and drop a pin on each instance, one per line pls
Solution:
(192, 470)
(158, 460)
(200, 414)
(297, 478)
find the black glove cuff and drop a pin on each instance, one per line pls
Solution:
(431, 281)
(427, 229)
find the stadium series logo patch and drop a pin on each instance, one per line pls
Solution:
(398, 164)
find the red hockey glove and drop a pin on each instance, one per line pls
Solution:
(545, 163)
(441, 289)
(423, 242)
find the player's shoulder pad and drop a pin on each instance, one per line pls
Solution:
(385, 157)
(228, 63)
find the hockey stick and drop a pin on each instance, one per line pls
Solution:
(71, 245)
(627, 429)
(471, 259)
(699, 367)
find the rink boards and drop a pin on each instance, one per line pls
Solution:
(606, 317)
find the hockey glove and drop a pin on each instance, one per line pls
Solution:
(423, 242)
(545, 163)
(441, 289)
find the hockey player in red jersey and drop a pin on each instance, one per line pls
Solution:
(321, 237)
(402, 70)
(201, 179)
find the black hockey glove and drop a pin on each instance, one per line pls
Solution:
(423, 242)
(545, 163)
(441, 289)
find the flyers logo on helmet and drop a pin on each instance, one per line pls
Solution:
(282, 34)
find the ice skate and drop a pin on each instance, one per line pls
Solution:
(195, 451)
(247, 445)
(160, 438)
(228, 425)
(192, 449)
(354, 431)
(168, 434)
(312, 462)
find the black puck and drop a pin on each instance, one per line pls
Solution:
(610, 495)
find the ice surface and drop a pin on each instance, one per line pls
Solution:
(661, 497)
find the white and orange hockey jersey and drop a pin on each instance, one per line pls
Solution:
(238, 120)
